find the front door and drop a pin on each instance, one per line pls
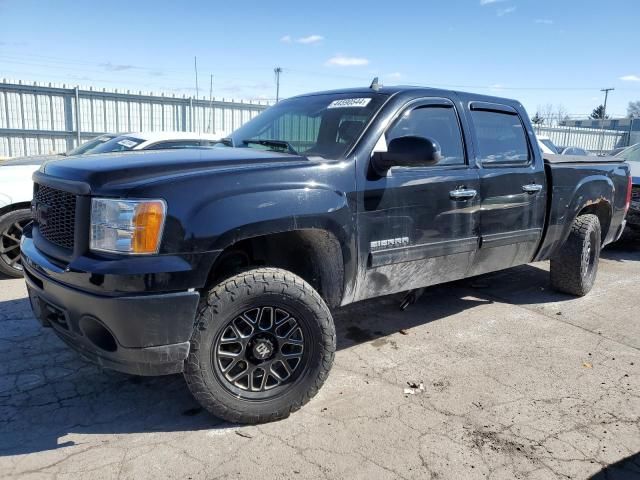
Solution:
(417, 226)
(512, 186)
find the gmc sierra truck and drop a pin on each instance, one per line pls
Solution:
(226, 264)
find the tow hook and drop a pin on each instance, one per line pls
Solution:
(410, 298)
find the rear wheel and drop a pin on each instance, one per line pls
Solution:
(11, 226)
(574, 267)
(262, 346)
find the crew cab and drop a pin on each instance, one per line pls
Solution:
(225, 264)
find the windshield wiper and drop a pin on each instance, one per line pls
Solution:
(273, 144)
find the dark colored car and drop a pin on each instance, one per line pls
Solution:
(632, 156)
(226, 264)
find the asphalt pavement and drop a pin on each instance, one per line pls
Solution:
(492, 377)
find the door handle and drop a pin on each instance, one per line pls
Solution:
(531, 188)
(462, 194)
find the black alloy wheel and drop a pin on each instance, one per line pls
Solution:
(259, 351)
(11, 227)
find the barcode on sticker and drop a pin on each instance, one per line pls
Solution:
(349, 103)
(127, 143)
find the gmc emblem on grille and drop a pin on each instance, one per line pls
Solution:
(39, 213)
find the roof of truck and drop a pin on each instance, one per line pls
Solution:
(418, 90)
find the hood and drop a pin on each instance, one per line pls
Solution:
(36, 160)
(131, 169)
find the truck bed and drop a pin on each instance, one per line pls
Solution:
(572, 178)
(553, 159)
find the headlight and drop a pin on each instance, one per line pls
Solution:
(127, 226)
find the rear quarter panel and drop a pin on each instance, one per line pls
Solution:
(575, 186)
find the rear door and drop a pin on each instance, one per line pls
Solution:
(417, 226)
(512, 187)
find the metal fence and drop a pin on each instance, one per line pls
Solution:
(593, 139)
(37, 119)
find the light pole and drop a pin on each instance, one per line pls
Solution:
(277, 71)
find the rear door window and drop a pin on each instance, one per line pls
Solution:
(501, 139)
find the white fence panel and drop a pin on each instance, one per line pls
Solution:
(37, 119)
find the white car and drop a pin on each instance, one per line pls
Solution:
(16, 186)
(546, 145)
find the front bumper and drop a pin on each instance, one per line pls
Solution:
(145, 334)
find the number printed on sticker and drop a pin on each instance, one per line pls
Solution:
(349, 103)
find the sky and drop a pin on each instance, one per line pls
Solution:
(557, 53)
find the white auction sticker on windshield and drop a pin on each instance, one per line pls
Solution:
(349, 103)
(127, 143)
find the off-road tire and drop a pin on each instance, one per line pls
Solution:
(574, 267)
(9, 232)
(252, 289)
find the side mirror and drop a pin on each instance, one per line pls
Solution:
(409, 151)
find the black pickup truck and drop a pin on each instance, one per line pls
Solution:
(226, 264)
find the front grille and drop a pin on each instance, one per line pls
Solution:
(55, 215)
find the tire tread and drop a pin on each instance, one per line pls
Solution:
(565, 267)
(267, 279)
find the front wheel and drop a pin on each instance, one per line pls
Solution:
(11, 226)
(262, 346)
(574, 267)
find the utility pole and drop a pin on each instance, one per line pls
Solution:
(277, 71)
(604, 114)
(606, 96)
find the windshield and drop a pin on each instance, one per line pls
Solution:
(106, 144)
(91, 144)
(549, 144)
(326, 125)
(631, 154)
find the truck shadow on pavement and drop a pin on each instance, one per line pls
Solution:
(626, 469)
(47, 391)
(628, 248)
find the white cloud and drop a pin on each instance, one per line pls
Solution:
(505, 11)
(544, 21)
(116, 67)
(310, 39)
(489, 2)
(630, 78)
(344, 61)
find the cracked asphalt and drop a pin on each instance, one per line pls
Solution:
(519, 382)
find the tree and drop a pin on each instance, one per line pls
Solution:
(598, 113)
(537, 119)
(633, 110)
(561, 114)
